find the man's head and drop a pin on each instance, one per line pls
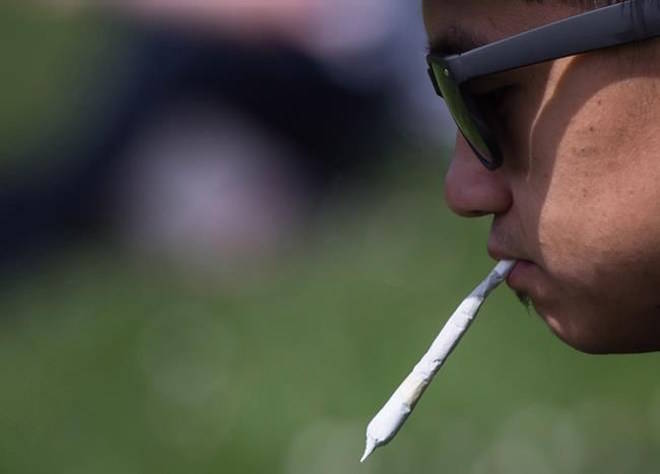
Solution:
(577, 197)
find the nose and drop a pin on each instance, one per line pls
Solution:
(471, 190)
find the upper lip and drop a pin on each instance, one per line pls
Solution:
(498, 253)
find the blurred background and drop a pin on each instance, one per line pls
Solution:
(223, 245)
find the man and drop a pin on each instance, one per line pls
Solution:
(576, 197)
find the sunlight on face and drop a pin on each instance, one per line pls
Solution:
(576, 196)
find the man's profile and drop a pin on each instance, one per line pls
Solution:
(572, 166)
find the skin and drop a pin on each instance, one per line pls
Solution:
(577, 198)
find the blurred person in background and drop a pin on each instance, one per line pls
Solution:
(221, 125)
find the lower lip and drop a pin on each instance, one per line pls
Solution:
(520, 274)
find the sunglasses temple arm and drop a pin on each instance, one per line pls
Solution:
(604, 27)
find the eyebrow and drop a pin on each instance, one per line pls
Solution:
(455, 40)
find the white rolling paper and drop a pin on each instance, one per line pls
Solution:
(387, 422)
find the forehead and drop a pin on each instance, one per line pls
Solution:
(454, 26)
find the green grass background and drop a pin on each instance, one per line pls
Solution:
(114, 364)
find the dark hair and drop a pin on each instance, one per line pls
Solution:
(585, 4)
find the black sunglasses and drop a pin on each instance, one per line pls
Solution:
(632, 20)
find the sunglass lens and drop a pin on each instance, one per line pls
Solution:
(466, 116)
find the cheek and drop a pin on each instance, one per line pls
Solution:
(587, 201)
(599, 246)
(600, 212)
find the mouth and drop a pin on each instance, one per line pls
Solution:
(529, 281)
(521, 275)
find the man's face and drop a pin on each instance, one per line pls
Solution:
(578, 195)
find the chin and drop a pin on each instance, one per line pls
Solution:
(595, 333)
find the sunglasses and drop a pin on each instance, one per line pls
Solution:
(604, 27)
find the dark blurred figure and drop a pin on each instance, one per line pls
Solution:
(212, 135)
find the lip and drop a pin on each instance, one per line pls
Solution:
(519, 277)
(498, 254)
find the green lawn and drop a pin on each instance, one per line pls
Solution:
(51, 62)
(112, 365)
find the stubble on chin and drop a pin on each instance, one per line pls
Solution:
(524, 299)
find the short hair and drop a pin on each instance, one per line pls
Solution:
(584, 4)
